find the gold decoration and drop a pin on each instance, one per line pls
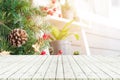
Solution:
(51, 50)
(38, 44)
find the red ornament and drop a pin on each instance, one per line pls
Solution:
(43, 53)
(60, 52)
(53, 1)
(46, 36)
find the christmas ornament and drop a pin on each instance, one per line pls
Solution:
(17, 37)
(43, 53)
(36, 47)
(46, 36)
(60, 52)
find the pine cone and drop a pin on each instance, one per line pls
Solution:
(17, 37)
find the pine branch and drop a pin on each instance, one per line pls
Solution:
(18, 14)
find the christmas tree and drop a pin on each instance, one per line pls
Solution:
(18, 29)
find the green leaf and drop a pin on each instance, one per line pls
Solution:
(62, 35)
(77, 36)
(55, 32)
(67, 24)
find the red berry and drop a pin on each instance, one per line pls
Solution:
(54, 9)
(45, 8)
(46, 36)
(60, 51)
(43, 53)
(53, 1)
(50, 12)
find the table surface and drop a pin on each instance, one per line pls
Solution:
(59, 67)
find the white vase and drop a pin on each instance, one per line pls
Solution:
(63, 45)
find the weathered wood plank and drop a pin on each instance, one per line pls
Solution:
(101, 74)
(79, 74)
(114, 71)
(59, 73)
(14, 68)
(51, 72)
(57, 67)
(25, 68)
(15, 62)
(40, 74)
(9, 61)
(31, 72)
(103, 68)
(67, 71)
(87, 71)
(6, 72)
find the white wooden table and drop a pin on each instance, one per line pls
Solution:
(59, 67)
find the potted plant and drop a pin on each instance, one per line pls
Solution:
(58, 39)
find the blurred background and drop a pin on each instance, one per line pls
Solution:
(96, 21)
(104, 16)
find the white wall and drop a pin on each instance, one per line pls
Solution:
(102, 40)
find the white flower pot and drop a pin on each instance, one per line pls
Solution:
(63, 45)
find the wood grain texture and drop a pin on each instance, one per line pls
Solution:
(58, 67)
